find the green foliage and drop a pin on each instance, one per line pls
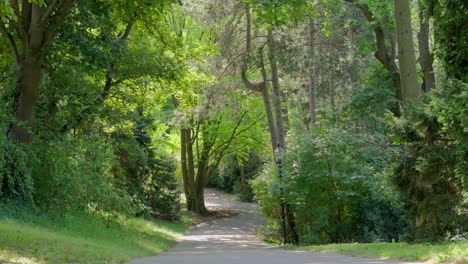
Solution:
(147, 175)
(335, 177)
(77, 176)
(431, 171)
(335, 187)
(245, 192)
(15, 173)
(451, 35)
(233, 168)
(267, 194)
(281, 12)
(161, 190)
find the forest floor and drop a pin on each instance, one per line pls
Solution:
(235, 240)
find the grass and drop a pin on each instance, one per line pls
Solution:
(232, 197)
(40, 238)
(434, 253)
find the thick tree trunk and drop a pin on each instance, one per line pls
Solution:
(312, 74)
(29, 78)
(426, 59)
(406, 56)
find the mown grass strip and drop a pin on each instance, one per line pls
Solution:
(435, 253)
(84, 239)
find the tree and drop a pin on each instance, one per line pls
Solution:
(406, 57)
(426, 58)
(312, 72)
(385, 47)
(29, 28)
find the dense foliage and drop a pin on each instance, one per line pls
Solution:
(116, 107)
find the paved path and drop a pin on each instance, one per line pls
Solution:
(233, 241)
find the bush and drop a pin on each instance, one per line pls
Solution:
(334, 186)
(244, 190)
(76, 175)
(431, 171)
(161, 189)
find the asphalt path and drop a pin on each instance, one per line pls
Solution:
(234, 240)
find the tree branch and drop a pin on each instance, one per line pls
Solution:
(12, 42)
(48, 12)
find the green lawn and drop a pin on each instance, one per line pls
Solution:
(83, 239)
(437, 253)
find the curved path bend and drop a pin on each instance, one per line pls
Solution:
(234, 241)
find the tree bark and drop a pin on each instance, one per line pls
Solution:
(406, 56)
(426, 59)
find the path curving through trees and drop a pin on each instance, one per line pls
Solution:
(234, 241)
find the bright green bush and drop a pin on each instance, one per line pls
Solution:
(334, 185)
(77, 175)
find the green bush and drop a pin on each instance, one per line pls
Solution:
(431, 171)
(244, 190)
(335, 188)
(161, 189)
(15, 174)
(76, 175)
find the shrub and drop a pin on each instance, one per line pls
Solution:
(430, 173)
(334, 186)
(244, 190)
(76, 175)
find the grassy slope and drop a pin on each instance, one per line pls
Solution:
(82, 239)
(453, 253)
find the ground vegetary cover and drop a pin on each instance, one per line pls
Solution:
(435, 253)
(83, 239)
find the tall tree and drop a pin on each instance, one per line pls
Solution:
(406, 56)
(29, 27)
(426, 58)
(312, 72)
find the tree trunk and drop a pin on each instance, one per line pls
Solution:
(270, 118)
(279, 123)
(312, 81)
(187, 167)
(183, 165)
(406, 56)
(426, 58)
(29, 78)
